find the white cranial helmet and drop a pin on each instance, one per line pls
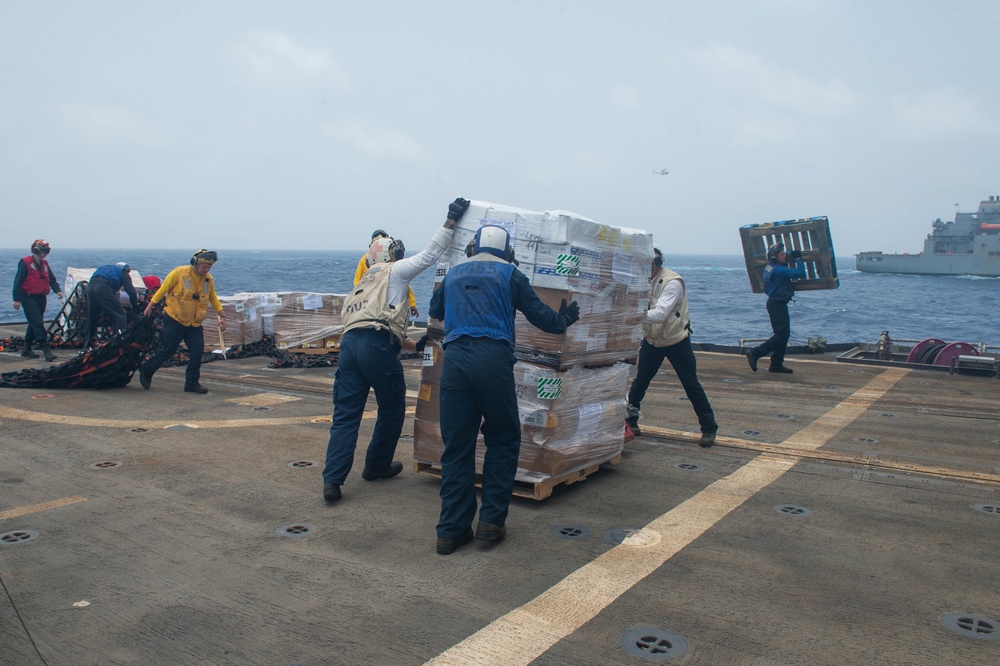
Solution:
(383, 250)
(494, 240)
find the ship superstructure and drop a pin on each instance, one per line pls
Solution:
(969, 245)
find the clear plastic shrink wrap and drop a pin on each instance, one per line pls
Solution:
(307, 320)
(572, 412)
(568, 256)
(244, 324)
(570, 419)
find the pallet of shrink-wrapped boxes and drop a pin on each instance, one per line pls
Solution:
(308, 322)
(571, 387)
(810, 235)
(571, 422)
(244, 324)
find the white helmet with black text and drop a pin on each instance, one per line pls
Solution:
(492, 239)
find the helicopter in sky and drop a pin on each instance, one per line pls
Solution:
(661, 172)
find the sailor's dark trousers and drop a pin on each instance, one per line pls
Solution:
(368, 359)
(171, 337)
(782, 326)
(34, 312)
(477, 393)
(682, 360)
(102, 298)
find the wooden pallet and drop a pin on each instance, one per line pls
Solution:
(311, 350)
(538, 490)
(810, 235)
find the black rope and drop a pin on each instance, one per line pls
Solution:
(19, 619)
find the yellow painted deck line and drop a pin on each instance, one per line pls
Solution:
(525, 633)
(43, 506)
(93, 422)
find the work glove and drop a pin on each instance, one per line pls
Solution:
(571, 312)
(420, 344)
(796, 255)
(457, 209)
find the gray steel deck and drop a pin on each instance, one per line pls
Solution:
(176, 554)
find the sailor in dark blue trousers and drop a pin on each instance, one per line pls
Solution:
(103, 298)
(376, 317)
(778, 287)
(477, 300)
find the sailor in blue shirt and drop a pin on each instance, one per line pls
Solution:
(477, 300)
(778, 287)
(102, 298)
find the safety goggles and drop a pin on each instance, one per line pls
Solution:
(207, 257)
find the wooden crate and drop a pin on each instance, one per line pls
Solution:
(537, 490)
(810, 235)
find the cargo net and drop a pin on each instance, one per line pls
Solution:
(108, 365)
(114, 358)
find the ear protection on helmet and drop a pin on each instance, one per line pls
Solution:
(40, 247)
(396, 249)
(775, 250)
(385, 249)
(657, 257)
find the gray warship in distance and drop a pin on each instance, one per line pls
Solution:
(968, 246)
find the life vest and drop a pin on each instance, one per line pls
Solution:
(111, 273)
(677, 325)
(477, 300)
(187, 300)
(367, 305)
(37, 281)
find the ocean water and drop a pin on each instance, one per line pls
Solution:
(723, 308)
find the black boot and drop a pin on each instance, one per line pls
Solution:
(26, 352)
(47, 352)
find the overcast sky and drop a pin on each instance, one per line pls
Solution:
(253, 125)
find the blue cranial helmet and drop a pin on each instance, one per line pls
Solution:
(492, 239)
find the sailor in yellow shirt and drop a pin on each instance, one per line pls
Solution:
(363, 268)
(188, 291)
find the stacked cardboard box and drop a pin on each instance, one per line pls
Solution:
(244, 324)
(308, 320)
(570, 257)
(569, 418)
(571, 387)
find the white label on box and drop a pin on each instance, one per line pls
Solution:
(590, 418)
(429, 355)
(579, 332)
(621, 268)
(597, 342)
(506, 220)
(636, 334)
(533, 373)
(251, 314)
(534, 417)
(312, 302)
(601, 303)
(263, 299)
(238, 307)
